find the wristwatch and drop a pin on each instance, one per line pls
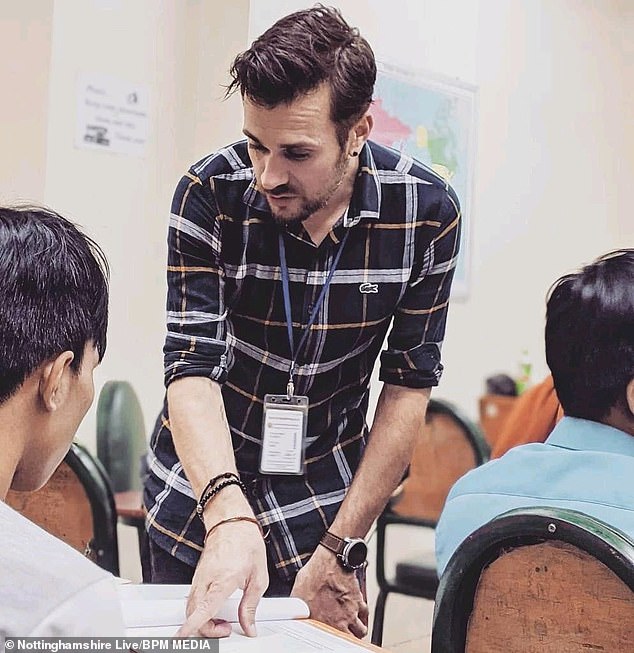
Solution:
(351, 552)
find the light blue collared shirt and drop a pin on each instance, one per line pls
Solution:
(583, 465)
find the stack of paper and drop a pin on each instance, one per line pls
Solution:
(160, 609)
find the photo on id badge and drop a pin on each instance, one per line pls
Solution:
(284, 423)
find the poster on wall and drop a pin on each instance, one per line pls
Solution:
(112, 115)
(432, 119)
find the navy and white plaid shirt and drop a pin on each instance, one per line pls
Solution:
(226, 322)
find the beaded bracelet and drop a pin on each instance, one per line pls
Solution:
(253, 520)
(211, 490)
(214, 480)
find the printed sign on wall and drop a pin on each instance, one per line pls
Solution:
(112, 115)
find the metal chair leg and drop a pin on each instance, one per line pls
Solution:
(144, 553)
(379, 614)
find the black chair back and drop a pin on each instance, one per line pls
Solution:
(122, 448)
(543, 579)
(77, 506)
(121, 440)
(449, 445)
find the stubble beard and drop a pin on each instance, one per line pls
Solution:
(309, 207)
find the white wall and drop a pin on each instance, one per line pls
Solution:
(554, 162)
(181, 51)
(25, 48)
(554, 159)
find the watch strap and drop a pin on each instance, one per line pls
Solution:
(333, 543)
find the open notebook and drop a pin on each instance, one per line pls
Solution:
(159, 610)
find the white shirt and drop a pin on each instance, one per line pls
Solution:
(49, 589)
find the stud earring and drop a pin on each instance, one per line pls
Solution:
(355, 153)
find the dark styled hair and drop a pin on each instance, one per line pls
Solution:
(53, 293)
(590, 335)
(299, 53)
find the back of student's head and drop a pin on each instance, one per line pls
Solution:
(53, 293)
(590, 336)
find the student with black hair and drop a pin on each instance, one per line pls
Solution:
(587, 462)
(53, 319)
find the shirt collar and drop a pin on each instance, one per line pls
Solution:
(366, 194)
(585, 435)
(254, 199)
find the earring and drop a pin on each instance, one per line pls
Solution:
(355, 153)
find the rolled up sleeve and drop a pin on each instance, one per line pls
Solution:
(195, 344)
(412, 358)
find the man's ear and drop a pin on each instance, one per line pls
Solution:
(629, 396)
(361, 132)
(54, 380)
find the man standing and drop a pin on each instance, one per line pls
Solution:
(290, 255)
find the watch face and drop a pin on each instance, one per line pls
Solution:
(356, 553)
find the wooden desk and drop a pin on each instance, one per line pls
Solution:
(129, 506)
(350, 638)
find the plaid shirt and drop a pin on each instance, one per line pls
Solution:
(226, 321)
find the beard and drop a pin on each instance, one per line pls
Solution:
(310, 205)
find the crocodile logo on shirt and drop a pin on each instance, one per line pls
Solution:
(368, 288)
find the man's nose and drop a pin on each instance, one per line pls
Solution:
(273, 174)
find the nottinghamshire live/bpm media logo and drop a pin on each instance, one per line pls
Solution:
(141, 644)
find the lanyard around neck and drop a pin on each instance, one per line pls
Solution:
(290, 389)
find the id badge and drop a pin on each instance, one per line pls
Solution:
(285, 420)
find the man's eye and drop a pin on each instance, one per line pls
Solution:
(257, 147)
(297, 156)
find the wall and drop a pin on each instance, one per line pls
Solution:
(554, 161)
(25, 35)
(180, 51)
(554, 156)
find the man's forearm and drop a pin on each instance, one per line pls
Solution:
(203, 442)
(399, 416)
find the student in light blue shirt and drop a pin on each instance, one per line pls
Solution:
(587, 462)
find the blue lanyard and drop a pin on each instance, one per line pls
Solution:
(290, 388)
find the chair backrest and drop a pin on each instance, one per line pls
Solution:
(448, 446)
(494, 411)
(77, 506)
(121, 440)
(538, 579)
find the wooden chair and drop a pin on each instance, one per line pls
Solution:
(494, 411)
(121, 445)
(77, 506)
(538, 579)
(448, 446)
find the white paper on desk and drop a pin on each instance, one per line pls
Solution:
(151, 631)
(164, 605)
(289, 637)
(286, 636)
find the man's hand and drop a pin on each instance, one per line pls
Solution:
(234, 557)
(332, 594)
